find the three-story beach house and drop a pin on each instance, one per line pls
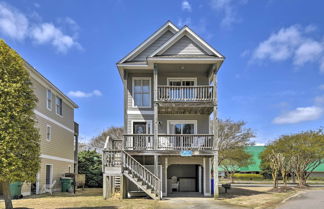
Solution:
(170, 97)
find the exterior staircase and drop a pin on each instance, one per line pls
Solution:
(133, 170)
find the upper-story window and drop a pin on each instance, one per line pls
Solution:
(142, 92)
(48, 132)
(49, 99)
(182, 81)
(58, 105)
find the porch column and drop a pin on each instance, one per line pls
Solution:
(215, 145)
(156, 118)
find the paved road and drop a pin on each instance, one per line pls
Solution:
(270, 185)
(194, 203)
(308, 200)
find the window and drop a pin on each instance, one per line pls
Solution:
(48, 132)
(142, 92)
(49, 99)
(182, 127)
(58, 104)
(49, 174)
(182, 81)
(142, 127)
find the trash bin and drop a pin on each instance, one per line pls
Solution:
(15, 189)
(66, 184)
(212, 186)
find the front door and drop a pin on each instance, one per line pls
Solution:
(142, 140)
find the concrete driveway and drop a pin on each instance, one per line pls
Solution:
(193, 203)
(307, 200)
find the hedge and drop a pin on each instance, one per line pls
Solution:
(248, 176)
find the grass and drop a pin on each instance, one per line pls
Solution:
(256, 197)
(89, 198)
(250, 197)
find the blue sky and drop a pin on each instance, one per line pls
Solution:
(272, 78)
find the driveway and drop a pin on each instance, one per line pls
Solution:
(195, 202)
(309, 200)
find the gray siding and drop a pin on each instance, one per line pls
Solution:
(202, 78)
(184, 46)
(132, 117)
(154, 46)
(130, 90)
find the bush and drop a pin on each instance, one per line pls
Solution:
(90, 165)
(248, 176)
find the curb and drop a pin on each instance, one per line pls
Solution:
(295, 195)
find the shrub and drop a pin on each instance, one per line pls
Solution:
(248, 176)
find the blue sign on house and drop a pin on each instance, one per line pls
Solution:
(186, 153)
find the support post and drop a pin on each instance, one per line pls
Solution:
(215, 145)
(156, 165)
(123, 187)
(105, 187)
(156, 118)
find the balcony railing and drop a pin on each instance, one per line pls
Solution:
(185, 93)
(142, 142)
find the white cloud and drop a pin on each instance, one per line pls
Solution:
(300, 114)
(228, 8)
(182, 22)
(13, 23)
(321, 87)
(82, 94)
(185, 6)
(16, 25)
(293, 43)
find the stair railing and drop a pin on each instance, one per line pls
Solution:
(142, 172)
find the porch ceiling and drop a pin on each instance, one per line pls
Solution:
(181, 68)
(185, 107)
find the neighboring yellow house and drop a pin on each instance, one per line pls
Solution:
(55, 119)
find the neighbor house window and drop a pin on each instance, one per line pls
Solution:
(142, 92)
(49, 99)
(48, 132)
(58, 104)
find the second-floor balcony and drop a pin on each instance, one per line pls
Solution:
(168, 142)
(185, 99)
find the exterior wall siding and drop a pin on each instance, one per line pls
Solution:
(154, 46)
(68, 112)
(184, 46)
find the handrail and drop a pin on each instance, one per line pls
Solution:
(142, 172)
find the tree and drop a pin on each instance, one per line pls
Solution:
(19, 139)
(115, 133)
(89, 163)
(232, 137)
(298, 154)
(235, 159)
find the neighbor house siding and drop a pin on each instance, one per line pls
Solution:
(67, 119)
(184, 46)
(154, 46)
(61, 143)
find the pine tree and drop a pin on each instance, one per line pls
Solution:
(19, 138)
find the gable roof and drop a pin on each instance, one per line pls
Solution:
(186, 31)
(168, 26)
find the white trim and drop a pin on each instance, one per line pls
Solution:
(140, 112)
(148, 125)
(51, 174)
(50, 132)
(150, 40)
(52, 120)
(51, 157)
(133, 88)
(194, 79)
(204, 177)
(182, 122)
(190, 34)
(49, 90)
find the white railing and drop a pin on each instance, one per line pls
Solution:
(185, 93)
(145, 142)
